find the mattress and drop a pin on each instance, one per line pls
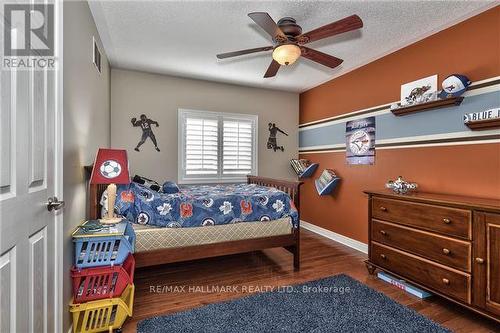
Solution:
(203, 205)
(150, 238)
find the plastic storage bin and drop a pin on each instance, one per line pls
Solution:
(91, 284)
(103, 315)
(104, 250)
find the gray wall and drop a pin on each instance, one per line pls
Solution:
(86, 120)
(160, 96)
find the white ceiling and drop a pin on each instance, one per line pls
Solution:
(181, 38)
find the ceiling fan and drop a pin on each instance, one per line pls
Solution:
(289, 40)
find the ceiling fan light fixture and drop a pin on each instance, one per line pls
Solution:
(286, 54)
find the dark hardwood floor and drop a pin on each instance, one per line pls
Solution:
(244, 273)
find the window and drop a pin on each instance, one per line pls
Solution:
(216, 147)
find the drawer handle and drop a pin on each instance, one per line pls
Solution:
(446, 251)
(382, 208)
(446, 220)
(446, 281)
(383, 256)
(382, 232)
(480, 260)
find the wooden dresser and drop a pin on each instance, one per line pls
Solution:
(449, 245)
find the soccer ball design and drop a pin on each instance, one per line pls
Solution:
(110, 169)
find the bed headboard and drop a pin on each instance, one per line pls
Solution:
(288, 186)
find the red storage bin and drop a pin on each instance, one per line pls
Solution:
(90, 284)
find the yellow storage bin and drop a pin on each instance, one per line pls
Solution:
(103, 315)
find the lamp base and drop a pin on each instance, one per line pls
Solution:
(112, 220)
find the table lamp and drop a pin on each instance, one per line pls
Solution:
(110, 167)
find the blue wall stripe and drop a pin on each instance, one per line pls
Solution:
(440, 121)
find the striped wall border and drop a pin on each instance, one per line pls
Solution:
(445, 139)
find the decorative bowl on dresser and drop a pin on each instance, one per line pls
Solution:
(449, 245)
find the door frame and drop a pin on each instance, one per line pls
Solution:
(58, 165)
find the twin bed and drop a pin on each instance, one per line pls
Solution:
(206, 221)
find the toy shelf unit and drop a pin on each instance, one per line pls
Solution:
(103, 276)
(303, 168)
(327, 182)
(432, 105)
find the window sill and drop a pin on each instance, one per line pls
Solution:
(212, 181)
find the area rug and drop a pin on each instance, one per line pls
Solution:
(334, 304)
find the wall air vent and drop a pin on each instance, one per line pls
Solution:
(96, 55)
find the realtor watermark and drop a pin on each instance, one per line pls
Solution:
(28, 37)
(204, 289)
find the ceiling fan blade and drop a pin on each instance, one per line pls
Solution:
(272, 69)
(242, 52)
(349, 23)
(267, 23)
(320, 57)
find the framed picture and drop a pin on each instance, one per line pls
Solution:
(360, 141)
(419, 91)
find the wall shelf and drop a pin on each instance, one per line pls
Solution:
(437, 104)
(309, 171)
(481, 125)
(328, 188)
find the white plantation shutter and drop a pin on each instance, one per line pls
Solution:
(216, 146)
(237, 147)
(201, 146)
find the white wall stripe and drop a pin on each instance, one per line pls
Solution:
(476, 83)
(438, 144)
(355, 114)
(402, 146)
(352, 243)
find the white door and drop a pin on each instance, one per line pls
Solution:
(29, 248)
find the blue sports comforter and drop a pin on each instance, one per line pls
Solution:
(203, 205)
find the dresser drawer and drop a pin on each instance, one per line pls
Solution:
(448, 221)
(447, 251)
(449, 282)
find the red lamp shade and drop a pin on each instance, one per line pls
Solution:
(110, 167)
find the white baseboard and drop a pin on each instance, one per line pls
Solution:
(352, 243)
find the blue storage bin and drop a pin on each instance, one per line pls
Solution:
(104, 250)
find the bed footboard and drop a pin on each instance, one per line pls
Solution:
(293, 189)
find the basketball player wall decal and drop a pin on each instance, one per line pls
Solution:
(272, 143)
(147, 131)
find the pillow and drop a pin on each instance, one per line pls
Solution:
(151, 184)
(170, 187)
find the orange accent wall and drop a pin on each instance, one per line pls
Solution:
(471, 48)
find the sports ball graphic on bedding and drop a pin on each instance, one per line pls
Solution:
(143, 218)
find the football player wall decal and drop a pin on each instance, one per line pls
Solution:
(147, 131)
